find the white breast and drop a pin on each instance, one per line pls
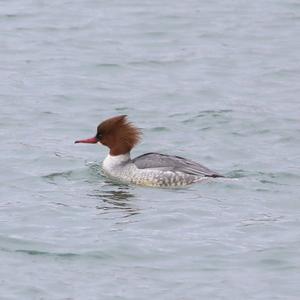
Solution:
(113, 163)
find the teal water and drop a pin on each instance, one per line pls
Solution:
(214, 81)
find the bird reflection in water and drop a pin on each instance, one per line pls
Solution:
(116, 198)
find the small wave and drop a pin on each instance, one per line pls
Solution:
(122, 108)
(236, 174)
(17, 16)
(263, 219)
(45, 253)
(34, 252)
(156, 62)
(18, 245)
(159, 129)
(53, 176)
(93, 171)
(220, 114)
(108, 65)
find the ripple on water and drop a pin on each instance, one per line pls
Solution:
(108, 66)
(159, 63)
(160, 129)
(115, 197)
(217, 116)
(32, 248)
(92, 172)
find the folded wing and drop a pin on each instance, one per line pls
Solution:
(173, 163)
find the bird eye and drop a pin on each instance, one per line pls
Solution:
(98, 136)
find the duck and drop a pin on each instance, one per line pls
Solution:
(150, 169)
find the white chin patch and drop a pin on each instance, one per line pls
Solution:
(98, 143)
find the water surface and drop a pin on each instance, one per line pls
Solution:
(217, 82)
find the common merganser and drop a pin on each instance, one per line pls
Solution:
(150, 169)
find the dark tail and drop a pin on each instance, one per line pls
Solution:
(215, 175)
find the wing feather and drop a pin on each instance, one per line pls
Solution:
(173, 163)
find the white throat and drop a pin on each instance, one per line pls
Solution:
(112, 162)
